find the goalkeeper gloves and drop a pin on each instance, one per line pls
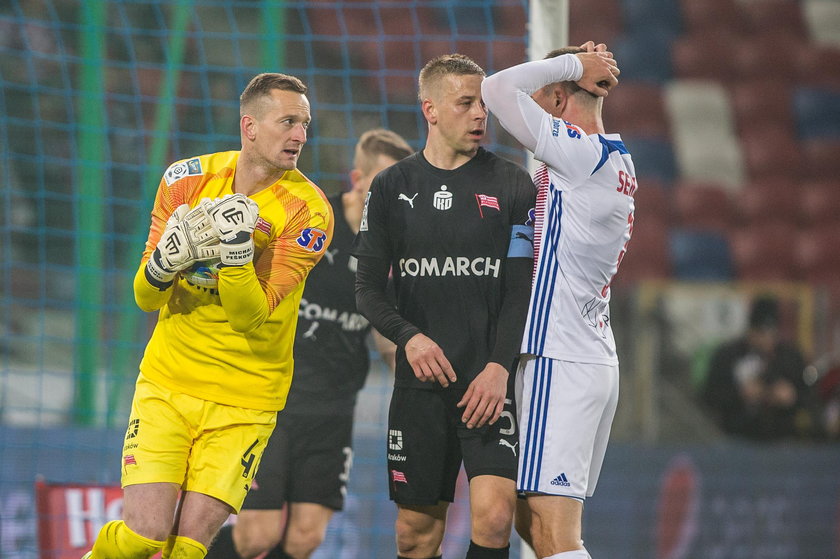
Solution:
(190, 236)
(235, 217)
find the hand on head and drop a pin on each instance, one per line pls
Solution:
(600, 70)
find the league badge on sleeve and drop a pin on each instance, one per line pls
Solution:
(181, 169)
(364, 224)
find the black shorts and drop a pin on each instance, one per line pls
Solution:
(307, 460)
(427, 441)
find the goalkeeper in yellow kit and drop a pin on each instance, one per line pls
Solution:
(233, 237)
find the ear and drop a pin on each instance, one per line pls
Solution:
(355, 175)
(247, 127)
(560, 100)
(429, 111)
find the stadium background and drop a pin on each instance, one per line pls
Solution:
(731, 109)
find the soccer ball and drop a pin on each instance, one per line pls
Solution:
(203, 274)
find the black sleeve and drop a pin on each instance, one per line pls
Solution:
(373, 302)
(514, 311)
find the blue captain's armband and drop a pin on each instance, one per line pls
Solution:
(521, 242)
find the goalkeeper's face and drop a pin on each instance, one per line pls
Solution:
(278, 128)
(458, 113)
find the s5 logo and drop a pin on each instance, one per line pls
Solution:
(312, 239)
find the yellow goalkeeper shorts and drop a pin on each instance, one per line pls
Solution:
(202, 446)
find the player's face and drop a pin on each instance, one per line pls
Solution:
(281, 129)
(461, 114)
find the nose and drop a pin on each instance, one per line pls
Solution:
(299, 133)
(479, 110)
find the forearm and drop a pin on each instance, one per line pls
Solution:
(508, 94)
(149, 297)
(243, 298)
(514, 311)
(372, 301)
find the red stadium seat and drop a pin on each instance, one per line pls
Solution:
(653, 202)
(773, 55)
(712, 16)
(647, 256)
(762, 100)
(701, 56)
(819, 203)
(819, 66)
(702, 206)
(594, 20)
(637, 109)
(774, 16)
(817, 257)
(765, 251)
(770, 150)
(822, 158)
(771, 201)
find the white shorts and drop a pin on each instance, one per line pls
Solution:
(566, 411)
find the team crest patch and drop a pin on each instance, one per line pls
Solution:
(312, 239)
(263, 226)
(181, 169)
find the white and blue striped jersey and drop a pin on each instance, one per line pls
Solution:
(584, 220)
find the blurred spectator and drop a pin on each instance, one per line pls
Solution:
(755, 385)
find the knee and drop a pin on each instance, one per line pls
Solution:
(253, 539)
(303, 540)
(491, 526)
(413, 538)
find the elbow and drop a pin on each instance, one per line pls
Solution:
(488, 92)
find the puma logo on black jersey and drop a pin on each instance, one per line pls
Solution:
(407, 199)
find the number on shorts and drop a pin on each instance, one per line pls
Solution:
(248, 458)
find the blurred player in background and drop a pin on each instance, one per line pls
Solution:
(306, 464)
(453, 222)
(584, 219)
(219, 362)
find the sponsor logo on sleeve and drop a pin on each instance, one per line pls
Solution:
(312, 239)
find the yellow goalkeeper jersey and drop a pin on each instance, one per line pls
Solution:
(233, 344)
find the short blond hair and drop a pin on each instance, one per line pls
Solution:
(263, 84)
(376, 142)
(445, 65)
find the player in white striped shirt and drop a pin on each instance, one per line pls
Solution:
(584, 218)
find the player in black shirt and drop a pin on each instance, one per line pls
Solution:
(453, 224)
(307, 460)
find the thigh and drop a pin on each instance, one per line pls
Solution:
(321, 458)
(149, 508)
(563, 406)
(227, 451)
(157, 442)
(270, 487)
(424, 455)
(490, 450)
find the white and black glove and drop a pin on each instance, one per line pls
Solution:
(235, 216)
(190, 236)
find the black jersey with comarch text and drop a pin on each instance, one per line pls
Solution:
(446, 234)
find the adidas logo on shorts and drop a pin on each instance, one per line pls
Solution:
(561, 480)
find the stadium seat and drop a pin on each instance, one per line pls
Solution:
(762, 100)
(647, 255)
(765, 251)
(817, 112)
(819, 203)
(644, 56)
(774, 16)
(660, 16)
(703, 57)
(637, 109)
(653, 202)
(773, 200)
(766, 55)
(817, 257)
(594, 20)
(702, 206)
(509, 20)
(652, 158)
(819, 66)
(700, 256)
(821, 158)
(714, 17)
(770, 151)
(823, 20)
